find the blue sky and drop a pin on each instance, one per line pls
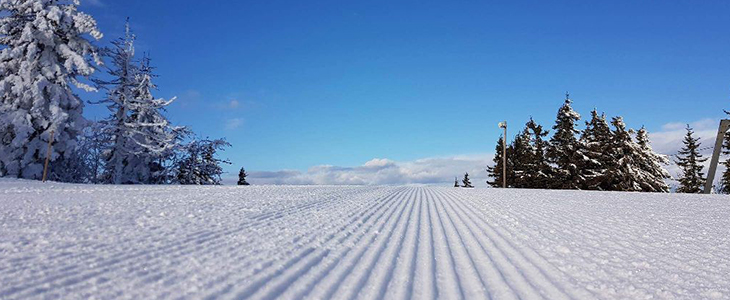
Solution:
(297, 84)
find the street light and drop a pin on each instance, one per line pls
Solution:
(504, 154)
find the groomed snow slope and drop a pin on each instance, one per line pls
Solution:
(264, 242)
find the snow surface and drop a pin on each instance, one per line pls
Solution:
(264, 242)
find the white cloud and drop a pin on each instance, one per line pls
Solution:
(234, 123)
(233, 104)
(669, 141)
(436, 170)
(97, 3)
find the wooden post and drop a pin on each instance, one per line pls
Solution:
(48, 157)
(724, 126)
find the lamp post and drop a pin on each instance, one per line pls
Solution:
(504, 154)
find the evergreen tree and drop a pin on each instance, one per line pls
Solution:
(596, 141)
(242, 177)
(565, 151)
(521, 157)
(537, 171)
(142, 141)
(625, 174)
(690, 161)
(155, 137)
(456, 182)
(199, 164)
(650, 164)
(44, 51)
(466, 182)
(496, 171)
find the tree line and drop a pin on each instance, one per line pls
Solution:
(47, 49)
(603, 156)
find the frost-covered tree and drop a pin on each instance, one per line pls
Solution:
(155, 138)
(690, 161)
(456, 182)
(596, 147)
(46, 49)
(242, 177)
(651, 164)
(565, 150)
(200, 165)
(466, 182)
(141, 138)
(625, 174)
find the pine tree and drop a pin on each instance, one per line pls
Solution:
(456, 182)
(496, 171)
(44, 52)
(155, 137)
(564, 150)
(466, 182)
(596, 141)
(690, 161)
(625, 174)
(242, 177)
(141, 139)
(199, 165)
(650, 163)
(538, 171)
(521, 157)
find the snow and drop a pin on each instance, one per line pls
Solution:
(291, 242)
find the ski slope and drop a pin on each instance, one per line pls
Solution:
(285, 242)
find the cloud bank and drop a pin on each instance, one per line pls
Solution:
(437, 170)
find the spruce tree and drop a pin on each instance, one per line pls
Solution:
(564, 150)
(45, 51)
(690, 161)
(456, 182)
(650, 164)
(200, 164)
(242, 177)
(596, 141)
(521, 157)
(142, 141)
(496, 171)
(625, 174)
(466, 182)
(538, 171)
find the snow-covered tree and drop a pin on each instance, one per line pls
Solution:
(46, 49)
(596, 147)
(651, 163)
(141, 139)
(456, 182)
(242, 177)
(565, 150)
(466, 182)
(199, 164)
(155, 137)
(690, 161)
(625, 174)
